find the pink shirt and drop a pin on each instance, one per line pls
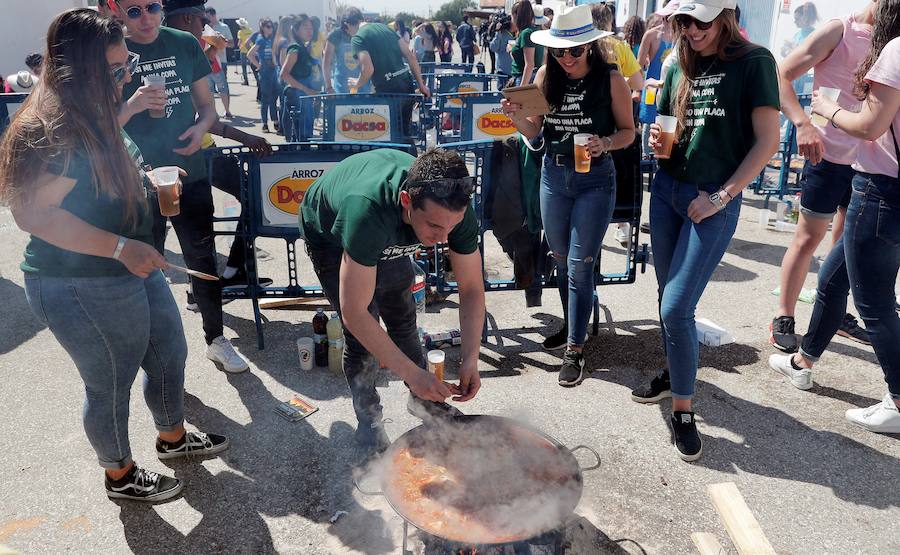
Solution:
(879, 156)
(838, 71)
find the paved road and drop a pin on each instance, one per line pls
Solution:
(815, 483)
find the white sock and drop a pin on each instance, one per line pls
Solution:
(229, 272)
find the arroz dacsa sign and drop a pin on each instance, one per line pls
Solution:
(490, 123)
(282, 187)
(363, 123)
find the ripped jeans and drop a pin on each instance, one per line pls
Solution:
(576, 209)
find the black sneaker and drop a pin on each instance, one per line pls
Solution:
(427, 411)
(851, 330)
(191, 444)
(645, 227)
(558, 340)
(371, 437)
(240, 280)
(685, 436)
(659, 388)
(142, 485)
(782, 334)
(571, 373)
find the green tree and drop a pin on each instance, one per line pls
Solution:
(453, 11)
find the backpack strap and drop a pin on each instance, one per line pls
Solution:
(896, 150)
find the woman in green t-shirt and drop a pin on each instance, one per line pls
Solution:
(527, 56)
(302, 76)
(589, 97)
(72, 179)
(724, 94)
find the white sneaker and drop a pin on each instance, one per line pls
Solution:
(623, 235)
(883, 418)
(801, 379)
(222, 351)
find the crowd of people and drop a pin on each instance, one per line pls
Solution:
(84, 187)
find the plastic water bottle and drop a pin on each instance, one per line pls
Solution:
(418, 286)
(335, 343)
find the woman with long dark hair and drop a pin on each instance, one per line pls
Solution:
(634, 30)
(587, 96)
(867, 256)
(262, 57)
(527, 56)
(445, 46)
(302, 76)
(73, 180)
(430, 42)
(724, 95)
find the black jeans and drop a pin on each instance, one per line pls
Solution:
(194, 228)
(468, 55)
(393, 302)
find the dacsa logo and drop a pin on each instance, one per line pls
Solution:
(287, 193)
(463, 88)
(363, 124)
(496, 124)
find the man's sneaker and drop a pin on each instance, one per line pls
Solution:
(371, 437)
(428, 411)
(571, 373)
(851, 330)
(645, 227)
(685, 436)
(222, 351)
(658, 389)
(622, 235)
(558, 340)
(143, 485)
(883, 418)
(191, 444)
(801, 378)
(241, 280)
(782, 334)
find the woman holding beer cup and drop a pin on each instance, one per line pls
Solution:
(590, 116)
(716, 129)
(72, 179)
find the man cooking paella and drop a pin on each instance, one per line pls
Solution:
(361, 221)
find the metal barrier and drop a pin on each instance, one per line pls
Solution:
(271, 191)
(430, 69)
(9, 104)
(783, 161)
(480, 117)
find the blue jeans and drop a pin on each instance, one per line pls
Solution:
(576, 209)
(685, 255)
(868, 257)
(300, 126)
(111, 327)
(268, 94)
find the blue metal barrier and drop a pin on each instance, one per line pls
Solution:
(782, 161)
(9, 103)
(480, 117)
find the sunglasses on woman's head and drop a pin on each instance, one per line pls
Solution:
(130, 66)
(685, 21)
(443, 188)
(135, 12)
(575, 51)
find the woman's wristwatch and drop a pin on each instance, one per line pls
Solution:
(718, 201)
(120, 245)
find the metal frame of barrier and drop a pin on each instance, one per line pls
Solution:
(430, 69)
(257, 222)
(473, 106)
(6, 100)
(786, 151)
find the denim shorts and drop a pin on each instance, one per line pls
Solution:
(824, 187)
(218, 82)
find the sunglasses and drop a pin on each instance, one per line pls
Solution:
(575, 51)
(685, 21)
(130, 66)
(135, 12)
(443, 188)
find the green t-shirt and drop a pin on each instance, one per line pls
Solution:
(355, 206)
(101, 211)
(719, 130)
(177, 56)
(391, 72)
(524, 41)
(303, 67)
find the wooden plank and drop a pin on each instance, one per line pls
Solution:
(742, 526)
(287, 303)
(707, 544)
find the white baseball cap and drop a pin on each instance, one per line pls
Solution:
(571, 27)
(704, 10)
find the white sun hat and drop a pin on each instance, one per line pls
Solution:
(572, 27)
(21, 82)
(704, 10)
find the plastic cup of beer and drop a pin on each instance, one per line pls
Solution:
(166, 179)
(667, 125)
(650, 97)
(156, 81)
(582, 153)
(831, 93)
(436, 363)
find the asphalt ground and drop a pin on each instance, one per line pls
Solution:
(815, 483)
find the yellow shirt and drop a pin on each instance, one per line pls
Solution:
(317, 48)
(624, 57)
(244, 34)
(207, 142)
